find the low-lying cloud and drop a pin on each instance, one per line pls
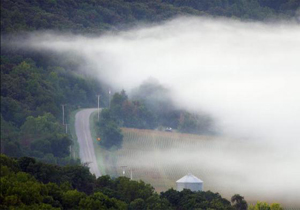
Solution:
(245, 74)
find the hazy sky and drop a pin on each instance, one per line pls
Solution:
(245, 74)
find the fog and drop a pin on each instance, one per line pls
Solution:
(244, 74)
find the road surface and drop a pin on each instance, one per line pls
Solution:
(84, 138)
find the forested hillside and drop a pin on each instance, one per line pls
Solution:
(32, 94)
(34, 86)
(98, 15)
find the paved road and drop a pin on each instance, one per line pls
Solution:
(84, 138)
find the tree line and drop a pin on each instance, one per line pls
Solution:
(30, 184)
(146, 112)
(94, 16)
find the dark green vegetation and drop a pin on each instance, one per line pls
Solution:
(239, 202)
(32, 92)
(132, 114)
(28, 184)
(98, 15)
(109, 131)
(35, 85)
(158, 102)
(265, 206)
(151, 108)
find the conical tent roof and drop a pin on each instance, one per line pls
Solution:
(190, 178)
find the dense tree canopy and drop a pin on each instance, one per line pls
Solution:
(98, 15)
(31, 97)
(30, 184)
(109, 131)
(129, 113)
(142, 112)
(239, 202)
(34, 86)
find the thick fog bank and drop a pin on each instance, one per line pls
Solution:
(245, 74)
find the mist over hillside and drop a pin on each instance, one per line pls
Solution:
(227, 68)
(96, 16)
(224, 74)
(244, 74)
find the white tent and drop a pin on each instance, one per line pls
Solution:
(189, 182)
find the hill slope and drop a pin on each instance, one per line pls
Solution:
(98, 15)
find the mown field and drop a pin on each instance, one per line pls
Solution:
(160, 158)
(157, 157)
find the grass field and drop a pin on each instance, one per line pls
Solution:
(100, 152)
(224, 164)
(72, 133)
(157, 157)
(154, 156)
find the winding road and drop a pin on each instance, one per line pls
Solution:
(85, 141)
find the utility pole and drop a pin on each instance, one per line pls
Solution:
(131, 170)
(71, 151)
(72, 140)
(63, 112)
(98, 106)
(109, 92)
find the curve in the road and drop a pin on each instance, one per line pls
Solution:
(85, 141)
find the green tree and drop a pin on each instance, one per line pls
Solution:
(80, 178)
(276, 206)
(9, 162)
(42, 145)
(56, 195)
(116, 105)
(172, 196)
(132, 114)
(71, 199)
(187, 199)
(40, 127)
(260, 206)
(195, 123)
(155, 202)
(100, 201)
(239, 202)
(111, 135)
(137, 204)
(60, 145)
(131, 190)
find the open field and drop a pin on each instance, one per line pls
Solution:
(225, 165)
(155, 157)
(158, 153)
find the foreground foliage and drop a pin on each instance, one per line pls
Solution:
(265, 206)
(28, 184)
